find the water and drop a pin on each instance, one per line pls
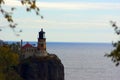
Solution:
(85, 61)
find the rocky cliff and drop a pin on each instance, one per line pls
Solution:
(42, 68)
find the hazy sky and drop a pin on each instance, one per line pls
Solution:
(65, 20)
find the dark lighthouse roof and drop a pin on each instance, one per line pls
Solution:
(41, 34)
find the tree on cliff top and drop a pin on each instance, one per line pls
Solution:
(115, 54)
(8, 59)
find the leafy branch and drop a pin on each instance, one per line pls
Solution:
(115, 54)
(29, 4)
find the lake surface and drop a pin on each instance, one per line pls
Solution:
(85, 61)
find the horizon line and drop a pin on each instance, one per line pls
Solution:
(57, 41)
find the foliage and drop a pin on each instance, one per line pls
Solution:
(30, 5)
(115, 54)
(8, 60)
(15, 47)
(7, 57)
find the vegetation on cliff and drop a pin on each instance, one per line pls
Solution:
(8, 61)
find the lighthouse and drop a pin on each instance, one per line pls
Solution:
(42, 43)
(29, 50)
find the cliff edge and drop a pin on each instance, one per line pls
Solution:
(41, 68)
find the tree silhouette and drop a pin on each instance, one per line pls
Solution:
(115, 54)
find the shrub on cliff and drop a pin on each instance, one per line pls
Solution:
(8, 60)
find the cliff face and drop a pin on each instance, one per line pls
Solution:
(41, 68)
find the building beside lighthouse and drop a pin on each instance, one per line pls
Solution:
(29, 50)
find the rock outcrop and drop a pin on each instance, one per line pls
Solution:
(41, 68)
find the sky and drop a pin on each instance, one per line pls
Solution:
(65, 21)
